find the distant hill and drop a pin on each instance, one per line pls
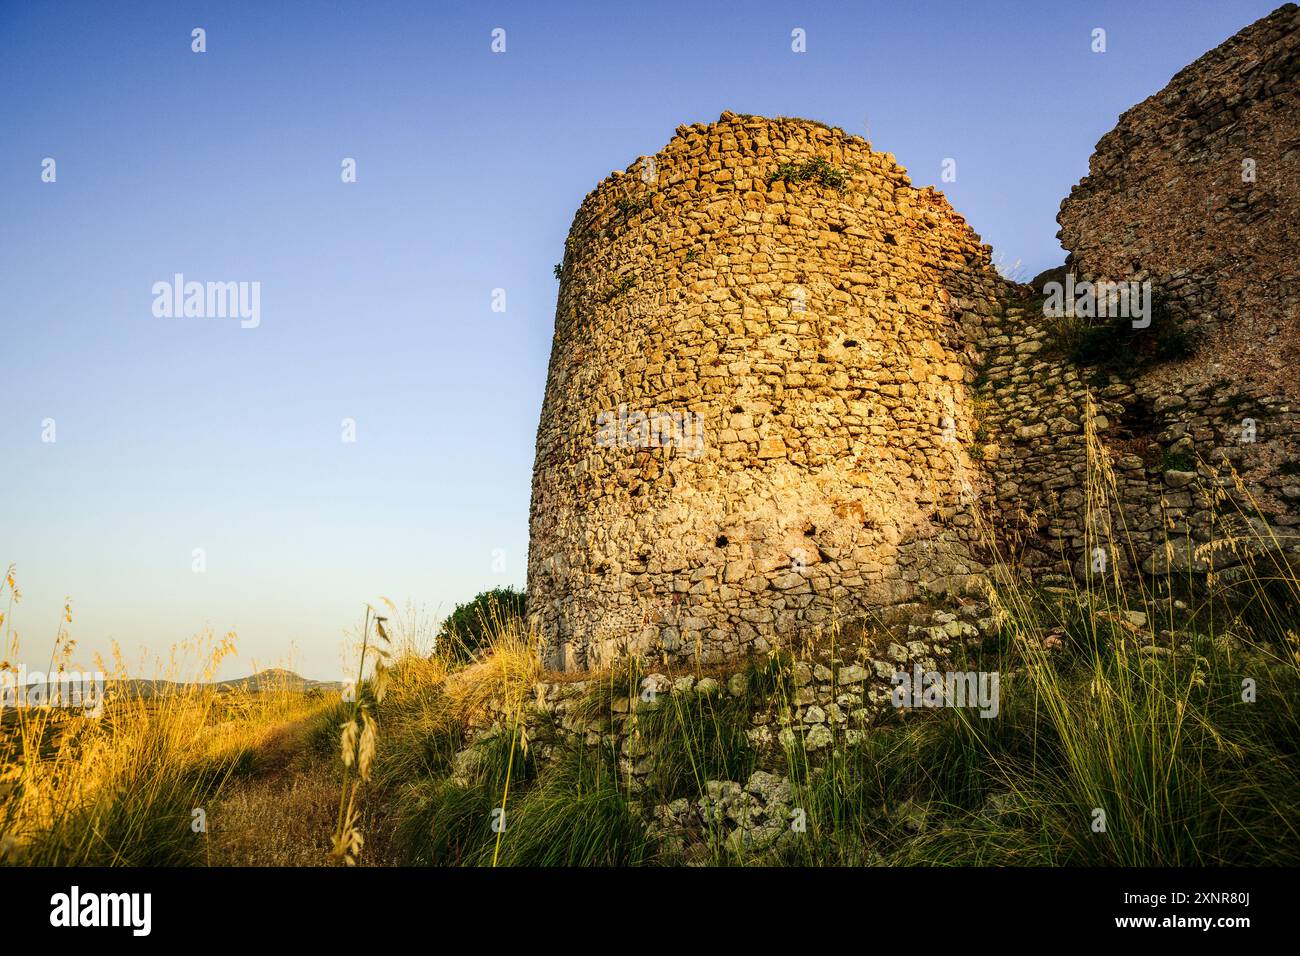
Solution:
(273, 678)
(277, 678)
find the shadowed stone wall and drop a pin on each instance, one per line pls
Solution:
(1198, 188)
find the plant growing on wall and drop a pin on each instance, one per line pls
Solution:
(813, 169)
(1114, 345)
(622, 285)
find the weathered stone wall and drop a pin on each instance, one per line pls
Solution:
(815, 331)
(1204, 451)
(824, 704)
(1196, 476)
(1198, 188)
(857, 395)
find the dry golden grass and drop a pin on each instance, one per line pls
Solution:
(134, 782)
(282, 814)
(283, 820)
(506, 673)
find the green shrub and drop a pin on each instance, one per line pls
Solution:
(576, 815)
(628, 207)
(1113, 345)
(813, 169)
(466, 631)
(624, 283)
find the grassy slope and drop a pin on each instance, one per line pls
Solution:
(1185, 771)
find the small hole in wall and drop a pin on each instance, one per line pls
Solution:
(890, 240)
(722, 541)
(737, 410)
(850, 343)
(809, 531)
(1139, 419)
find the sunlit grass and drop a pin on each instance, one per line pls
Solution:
(131, 785)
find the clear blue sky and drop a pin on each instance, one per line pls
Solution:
(176, 434)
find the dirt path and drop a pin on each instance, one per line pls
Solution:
(282, 814)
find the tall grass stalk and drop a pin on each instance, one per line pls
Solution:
(131, 786)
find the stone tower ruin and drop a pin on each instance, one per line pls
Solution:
(756, 413)
(787, 387)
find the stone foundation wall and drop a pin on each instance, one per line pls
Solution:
(831, 703)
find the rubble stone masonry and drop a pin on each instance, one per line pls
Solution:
(1198, 188)
(790, 291)
(787, 386)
